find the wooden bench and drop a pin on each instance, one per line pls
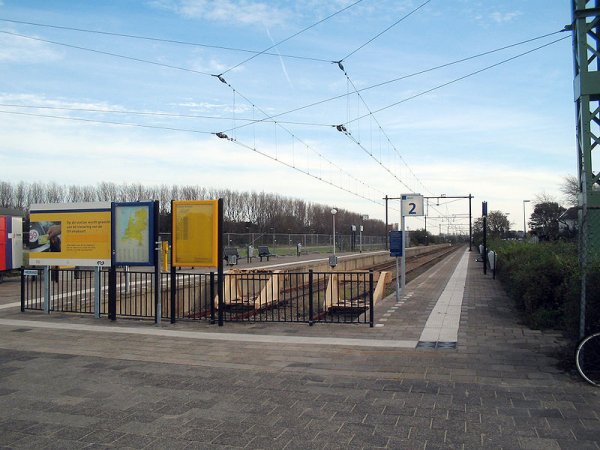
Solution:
(263, 252)
(228, 252)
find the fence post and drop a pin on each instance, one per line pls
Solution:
(311, 311)
(97, 292)
(371, 311)
(112, 293)
(212, 298)
(47, 289)
(22, 289)
(173, 290)
(220, 275)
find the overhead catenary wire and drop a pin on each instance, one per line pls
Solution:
(445, 84)
(187, 130)
(163, 40)
(298, 169)
(106, 122)
(292, 36)
(293, 135)
(381, 33)
(218, 76)
(135, 59)
(404, 77)
(370, 153)
(273, 116)
(102, 52)
(154, 114)
(456, 80)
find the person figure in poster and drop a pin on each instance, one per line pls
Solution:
(54, 232)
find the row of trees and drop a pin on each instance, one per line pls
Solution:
(544, 222)
(243, 212)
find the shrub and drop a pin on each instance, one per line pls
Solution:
(544, 281)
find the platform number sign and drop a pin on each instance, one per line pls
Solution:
(412, 205)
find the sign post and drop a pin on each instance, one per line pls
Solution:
(396, 250)
(410, 205)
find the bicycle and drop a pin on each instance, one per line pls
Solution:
(587, 358)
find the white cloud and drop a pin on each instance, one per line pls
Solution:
(16, 49)
(499, 17)
(42, 101)
(242, 12)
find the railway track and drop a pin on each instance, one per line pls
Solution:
(416, 265)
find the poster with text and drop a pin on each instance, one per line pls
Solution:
(70, 234)
(195, 233)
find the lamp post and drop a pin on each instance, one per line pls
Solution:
(524, 223)
(333, 213)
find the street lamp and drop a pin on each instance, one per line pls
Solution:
(524, 223)
(333, 213)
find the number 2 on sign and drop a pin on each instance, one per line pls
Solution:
(413, 206)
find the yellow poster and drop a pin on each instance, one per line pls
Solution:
(69, 236)
(195, 233)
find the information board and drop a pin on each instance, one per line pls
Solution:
(70, 234)
(195, 233)
(132, 233)
(396, 243)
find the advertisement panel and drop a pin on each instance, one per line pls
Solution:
(195, 233)
(75, 234)
(133, 233)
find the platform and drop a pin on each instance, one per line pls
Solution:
(446, 366)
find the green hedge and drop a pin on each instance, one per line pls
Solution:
(544, 280)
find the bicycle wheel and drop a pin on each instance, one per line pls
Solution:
(587, 359)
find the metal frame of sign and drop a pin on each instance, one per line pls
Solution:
(150, 257)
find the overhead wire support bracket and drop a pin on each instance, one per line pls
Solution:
(339, 64)
(221, 79)
(222, 135)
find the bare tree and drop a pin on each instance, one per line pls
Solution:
(89, 194)
(55, 193)
(106, 192)
(20, 193)
(74, 194)
(175, 192)
(36, 194)
(6, 194)
(570, 190)
(164, 197)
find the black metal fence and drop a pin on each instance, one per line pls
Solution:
(248, 296)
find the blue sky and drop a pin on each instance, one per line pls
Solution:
(503, 134)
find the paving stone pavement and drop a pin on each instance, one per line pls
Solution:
(500, 388)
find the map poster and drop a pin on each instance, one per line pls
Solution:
(133, 233)
(195, 233)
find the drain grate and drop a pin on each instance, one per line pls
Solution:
(436, 344)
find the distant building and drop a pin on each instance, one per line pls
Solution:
(567, 221)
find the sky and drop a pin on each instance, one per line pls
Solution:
(340, 102)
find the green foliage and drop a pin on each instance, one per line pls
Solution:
(544, 220)
(422, 237)
(544, 280)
